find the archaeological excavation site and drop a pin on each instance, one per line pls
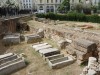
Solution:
(37, 46)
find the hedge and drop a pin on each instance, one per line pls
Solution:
(73, 16)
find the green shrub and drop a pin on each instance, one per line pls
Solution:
(93, 18)
(41, 15)
(74, 16)
(71, 16)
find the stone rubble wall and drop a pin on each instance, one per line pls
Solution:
(93, 67)
(72, 34)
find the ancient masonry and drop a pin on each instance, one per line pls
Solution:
(10, 63)
(93, 67)
(53, 56)
(76, 42)
(79, 41)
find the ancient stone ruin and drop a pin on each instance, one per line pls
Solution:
(93, 67)
(83, 50)
(11, 39)
(10, 63)
(53, 56)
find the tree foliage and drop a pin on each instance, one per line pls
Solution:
(65, 6)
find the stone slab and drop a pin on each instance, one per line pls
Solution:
(53, 57)
(11, 39)
(33, 38)
(43, 47)
(61, 62)
(9, 58)
(39, 45)
(44, 51)
(5, 55)
(12, 67)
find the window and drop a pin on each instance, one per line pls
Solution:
(47, 9)
(56, 1)
(60, 1)
(23, 0)
(29, 6)
(41, 8)
(51, 1)
(52, 9)
(47, 1)
(40, 1)
(73, 1)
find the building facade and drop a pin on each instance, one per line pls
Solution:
(27, 4)
(86, 3)
(47, 5)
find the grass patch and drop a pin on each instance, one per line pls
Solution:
(54, 44)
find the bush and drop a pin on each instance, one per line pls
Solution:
(40, 15)
(93, 18)
(74, 16)
(71, 16)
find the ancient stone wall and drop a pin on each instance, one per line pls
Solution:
(72, 34)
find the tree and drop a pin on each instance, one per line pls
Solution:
(79, 7)
(99, 6)
(10, 7)
(64, 6)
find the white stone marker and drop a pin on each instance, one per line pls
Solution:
(42, 47)
(92, 60)
(5, 55)
(39, 45)
(48, 50)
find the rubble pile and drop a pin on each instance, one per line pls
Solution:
(93, 67)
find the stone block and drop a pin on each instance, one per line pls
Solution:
(61, 62)
(39, 45)
(5, 55)
(33, 39)
(70, 50)
(43, 47)
(89, 45)
(49, 52)
(62, 44)
(40, 32)
(11, 39)
(12, 66)
(9, 58)
(54, 57)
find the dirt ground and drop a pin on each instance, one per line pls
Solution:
(37, 66)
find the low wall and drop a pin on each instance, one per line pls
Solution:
(58, 34)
